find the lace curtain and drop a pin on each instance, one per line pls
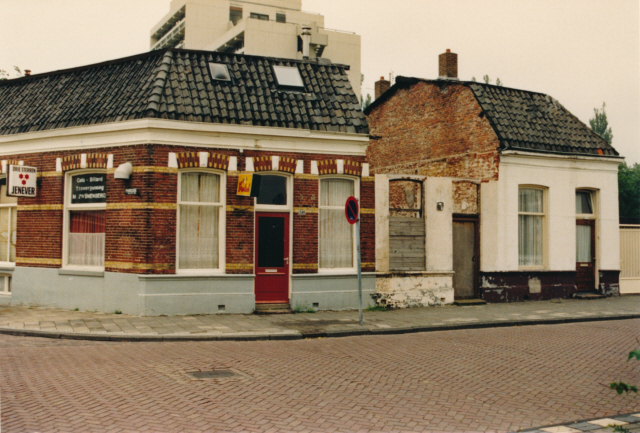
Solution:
(8, 234)
(199, 221)
(530, 227)
(7, 226)
(86, 238)
(336, 234)
(583, 243)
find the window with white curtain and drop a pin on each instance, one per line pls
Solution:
(86, 202)
(8, 207)
(336, 235)
(531, 214)
(200, 220)
(584, 210)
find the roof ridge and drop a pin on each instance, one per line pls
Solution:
(121, 60)
(159, 81)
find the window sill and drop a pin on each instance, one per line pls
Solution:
(80, 273)
(192, 276)
(7, 268)
(5, 294)
(338, 271)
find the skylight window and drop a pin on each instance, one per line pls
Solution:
(219, 71)
(288, 77)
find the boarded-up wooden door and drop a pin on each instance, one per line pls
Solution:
(464, 259)
(406, 244)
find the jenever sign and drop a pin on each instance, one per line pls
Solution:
(21, 181)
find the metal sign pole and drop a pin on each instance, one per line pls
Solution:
(359, 269)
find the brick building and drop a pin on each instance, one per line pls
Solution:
(533, 191)
(138, 165)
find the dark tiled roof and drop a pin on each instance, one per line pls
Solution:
(533, 121)
(523, 120)
(176, 84)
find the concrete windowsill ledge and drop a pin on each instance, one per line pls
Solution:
(333, 275)
(415, 273)
(6, 269)
(80, 273)
(193, 277)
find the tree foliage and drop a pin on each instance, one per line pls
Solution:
(487, 80)
(365, 102)
(600, 125)
(629, 190)
(4, 75)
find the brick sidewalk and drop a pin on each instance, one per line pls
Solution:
(48, 322)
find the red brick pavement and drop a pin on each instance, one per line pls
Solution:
(473, 380)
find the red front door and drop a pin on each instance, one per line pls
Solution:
(272, 258)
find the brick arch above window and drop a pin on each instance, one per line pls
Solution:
(202, 159)
(274, 163)
(340, 166)
(85, 160)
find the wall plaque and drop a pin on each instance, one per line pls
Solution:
(89, 188)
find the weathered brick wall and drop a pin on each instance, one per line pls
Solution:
(305, 227)
(405, 195)
(368, 225)
(141, 229)
(465, 197)
(433, 130)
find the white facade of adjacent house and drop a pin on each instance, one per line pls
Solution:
(559, 177)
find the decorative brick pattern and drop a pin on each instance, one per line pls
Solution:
(353, 168)
(188, 159)
(216, 160)
(97, 160)
(71, 162)
(262, 163)
(287, 164)
(328, 166)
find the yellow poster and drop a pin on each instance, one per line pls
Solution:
(244, 185)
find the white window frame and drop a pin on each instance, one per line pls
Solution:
(288, 207)
(543, 214)
(592, 215)
(13, 207)
(5, 285)
(222, 221)
(356, 191)
(66, 220)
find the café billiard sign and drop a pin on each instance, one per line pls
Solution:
(89, 188)
(21, 181)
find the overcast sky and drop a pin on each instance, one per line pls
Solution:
(581, 52)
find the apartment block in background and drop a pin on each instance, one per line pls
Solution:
(271, 28)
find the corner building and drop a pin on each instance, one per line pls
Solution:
(138, 165)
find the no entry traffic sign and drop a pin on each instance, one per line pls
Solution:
(351, 210)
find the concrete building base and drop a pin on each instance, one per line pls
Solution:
(155, 295)
(332, 291)
(414, 289)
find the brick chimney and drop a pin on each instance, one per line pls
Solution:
(27, 72)
(381, 87)
(448, 65)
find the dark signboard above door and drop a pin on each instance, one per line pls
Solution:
(89, 188)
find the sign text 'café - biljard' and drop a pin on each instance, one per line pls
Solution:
(21, 181)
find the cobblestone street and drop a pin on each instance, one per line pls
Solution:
(497, 379)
